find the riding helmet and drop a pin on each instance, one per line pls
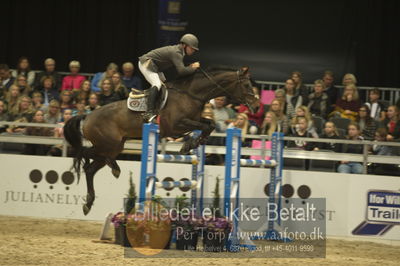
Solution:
(191, 40)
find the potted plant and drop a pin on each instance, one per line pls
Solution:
(120, 218)
(215, 233)
(131, 197)
(185, 225)
(215, 228)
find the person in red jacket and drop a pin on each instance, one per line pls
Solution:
(73, 81)
(257, 115)
(256, 112)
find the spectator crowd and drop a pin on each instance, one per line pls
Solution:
(49, 97)
(324, 112)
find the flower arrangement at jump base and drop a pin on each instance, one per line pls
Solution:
(149, 226)
(120, 219)
(215, 228)
(119, 222)
(215, 231)
(186, 225)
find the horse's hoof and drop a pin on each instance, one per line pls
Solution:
(115, 173)
(86, 209)
(185, 150)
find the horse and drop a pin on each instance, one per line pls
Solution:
(108, 127)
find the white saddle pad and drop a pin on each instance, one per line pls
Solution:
(137, 104)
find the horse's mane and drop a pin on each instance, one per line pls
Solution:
(212, 70)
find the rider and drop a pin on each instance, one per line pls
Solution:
(156, 61)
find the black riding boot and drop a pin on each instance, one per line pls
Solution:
(151, 103)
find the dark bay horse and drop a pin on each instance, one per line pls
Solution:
(108, 127)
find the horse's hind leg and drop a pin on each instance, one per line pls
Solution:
(115, 170)
(90, 171)
(118, 147)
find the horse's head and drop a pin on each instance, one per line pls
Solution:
(243, 91)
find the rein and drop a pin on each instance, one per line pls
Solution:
(219, 86)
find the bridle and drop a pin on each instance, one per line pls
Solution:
(239, 83)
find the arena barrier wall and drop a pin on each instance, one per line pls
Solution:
(44, 187)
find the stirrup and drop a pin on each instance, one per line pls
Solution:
(149, 117)
(152, 119)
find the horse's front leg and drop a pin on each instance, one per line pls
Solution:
(206, 128)
(207, 131)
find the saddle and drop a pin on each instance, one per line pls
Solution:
(137, 100)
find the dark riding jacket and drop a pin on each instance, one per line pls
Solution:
(166, 57)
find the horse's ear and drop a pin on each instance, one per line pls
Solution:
(244, 71)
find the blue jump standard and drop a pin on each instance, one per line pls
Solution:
(232, 184)
(150, 157)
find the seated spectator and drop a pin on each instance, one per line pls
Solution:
(130, 80)
(37, 149)
(383, 169)
(66, 101)
(349, 104)
(318, 100)
(119, 87)
(301, 132)
(22, 113)
(354, 133)
(6, 80)
(23, 85)
(80, 108)
(300, 88)
(59, 133)
(330, 89)
(3, 115)
(280, 95)
(53, 113)
(378, 110)
(93, 103)
(302, 111)
(276, 108)
(49, 71)
(74, 80)
(270, 124)
(293, 98)
(23, 68)
(349, 79)
(100, 76)
(392, 123)
(367, 124)
(83, 92)
(330, 132)
(242, 122)
(37, 100)
(223, 115)
(254, 114)
(107, 94)
(12, 97)
(48, 89)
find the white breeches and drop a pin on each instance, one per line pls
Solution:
(153, 78)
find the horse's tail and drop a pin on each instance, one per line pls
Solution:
(72, 133)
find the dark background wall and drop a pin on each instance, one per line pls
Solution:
(95, 32)
(273, 37)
